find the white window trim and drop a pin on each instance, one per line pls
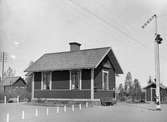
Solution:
(80, 80)
(103, 71)
(70, 87)
(41, 80)
(50, 83)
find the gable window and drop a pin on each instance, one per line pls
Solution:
(75, 79)
(105, 80)
(46, 77)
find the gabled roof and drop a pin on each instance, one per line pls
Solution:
(82, 59)
(11, 80)
(153, 83)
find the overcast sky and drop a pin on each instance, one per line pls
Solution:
(30, 28)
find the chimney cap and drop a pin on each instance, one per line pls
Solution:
(75, 43)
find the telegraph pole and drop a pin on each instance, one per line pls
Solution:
(3, 62)
(157, 41)
(3, 59)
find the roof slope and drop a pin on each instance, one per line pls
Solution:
(81, 59)
(153, 83)
(10, 80)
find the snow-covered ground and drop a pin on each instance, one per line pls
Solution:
(121, 112)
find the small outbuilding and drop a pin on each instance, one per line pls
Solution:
(150, 92)
(76, 74)
(13, 83)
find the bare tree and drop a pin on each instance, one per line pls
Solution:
(9, 73)
(136, 94)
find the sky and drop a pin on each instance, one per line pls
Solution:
(30, 28)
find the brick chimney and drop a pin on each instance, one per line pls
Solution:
(74, 46)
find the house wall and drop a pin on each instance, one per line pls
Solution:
(37, 80)
(63, 94)
(99, 93)
(60, 86)
(98, 75)
(148, 94)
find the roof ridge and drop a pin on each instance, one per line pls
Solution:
(76, 51)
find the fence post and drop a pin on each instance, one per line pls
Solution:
(17, 99)
(80, 106)
(73, 108)
(7, 117)
(65, 109)
(57, 109)
(86, 104)
(5, 101)
(36, 112)
(22, 115)
(47, 111)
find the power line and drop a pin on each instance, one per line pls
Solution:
(107, 23)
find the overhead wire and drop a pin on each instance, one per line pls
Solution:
(133, 39)
(108, 23)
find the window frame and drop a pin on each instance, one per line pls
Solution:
(103, 84)
(80, 79)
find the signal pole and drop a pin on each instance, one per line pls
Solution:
(157, 41)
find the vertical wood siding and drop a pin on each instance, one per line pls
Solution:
(37, 80)
(86, 79)
(60, 79)
(66, 94)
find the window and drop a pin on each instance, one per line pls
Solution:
(105, 82)
(46, 80)
(75, 79)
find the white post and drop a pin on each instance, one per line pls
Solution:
(42, 73)
(47, 111)
(80, 80)
(57, 109)
(80, 106)
(50, 83)
(92, 84)
(36, 112)
(7, 117)
(65, 109)
(22, 117)
(17, 99)
(70, 82)
(72, 108)
(5, 101)
(86, 104)
(32, 94)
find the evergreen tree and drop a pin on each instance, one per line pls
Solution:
(128, 84)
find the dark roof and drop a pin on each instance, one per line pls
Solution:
(89, 58)
(11, 80)
(153, 83)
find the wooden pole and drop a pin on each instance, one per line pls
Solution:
(157, 68)
(92, 84)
